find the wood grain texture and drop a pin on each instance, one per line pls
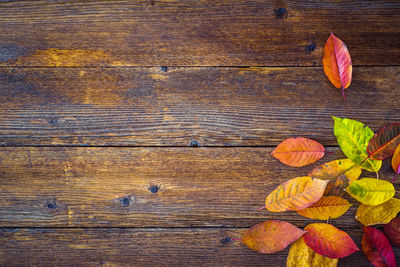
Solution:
(142, 247)
(214, 106)
(87, 187)
(195, 32)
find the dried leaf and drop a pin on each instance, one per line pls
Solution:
(301, 255)
(371, 191)
(329, 241)
(271, 236)
(392, 231)
(380, 214)
(396, 162)
(353, 138)
(298, 151)
(328, 207)
(295, 194)
(337, 63)
(377, 248)
(340, 173)
(384, 142)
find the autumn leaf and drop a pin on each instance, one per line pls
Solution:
(370, 191)
(295, 194)
(384, 142)
(301, 255)
(271, 236)
(298, 151)
(337, 63)
(329, 241)
(327, 207)
(396, 162)
(380, 214)
(340, 172)
(392, 231)
(377, 248)
(353, 138)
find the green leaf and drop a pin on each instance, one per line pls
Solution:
(353, 138)
(370, 191)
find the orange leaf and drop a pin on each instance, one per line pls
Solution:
(271, 236)
(337, 63)
(298, 151)
(329, 207)
(295, 194)
(396, 162)
(327, 240)
(340, 173)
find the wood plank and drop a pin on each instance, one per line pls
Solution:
(195, 32)
(146, 187)
(213, 106)
(141, 247)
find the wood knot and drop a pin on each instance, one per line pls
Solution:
(280, 12)
(194, 143)
(51, 205)
(126, 201)
(226, 240)
(311, 47)
(154, 189)
(164, 69)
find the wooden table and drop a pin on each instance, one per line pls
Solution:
(138, 133)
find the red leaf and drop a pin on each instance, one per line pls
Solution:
(327, 240)
(298, 151)
(377, 248)
(337, 63)
(392, 231)
(384, 142)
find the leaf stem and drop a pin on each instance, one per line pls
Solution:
(344, 96)
(377, 175)
(263, 207)
(234, 239)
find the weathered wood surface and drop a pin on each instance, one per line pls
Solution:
(147, 187)
(140, 247)
(214, 106)
(195, 32)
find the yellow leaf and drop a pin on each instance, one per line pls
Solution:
(380, 214)
(300, 255)
(328, 207)
(295, 194)
(370, 191)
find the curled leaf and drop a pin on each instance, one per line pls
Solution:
(384, 142)
(396, 162)
(340, 173)
(298, 151)
(353, 138)
(301, 255)
(337, 63)
(380, 214)
(327, 207)
(329, 241)
(295, 194)
(392, 231)
(370, 191)
(271, 236)
(377, 248)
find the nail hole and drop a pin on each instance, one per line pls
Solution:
(51, 205)
(194, 143)
(164, 69)
(154, 189)
(280, 12)
(311, 47)
(226, 240)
